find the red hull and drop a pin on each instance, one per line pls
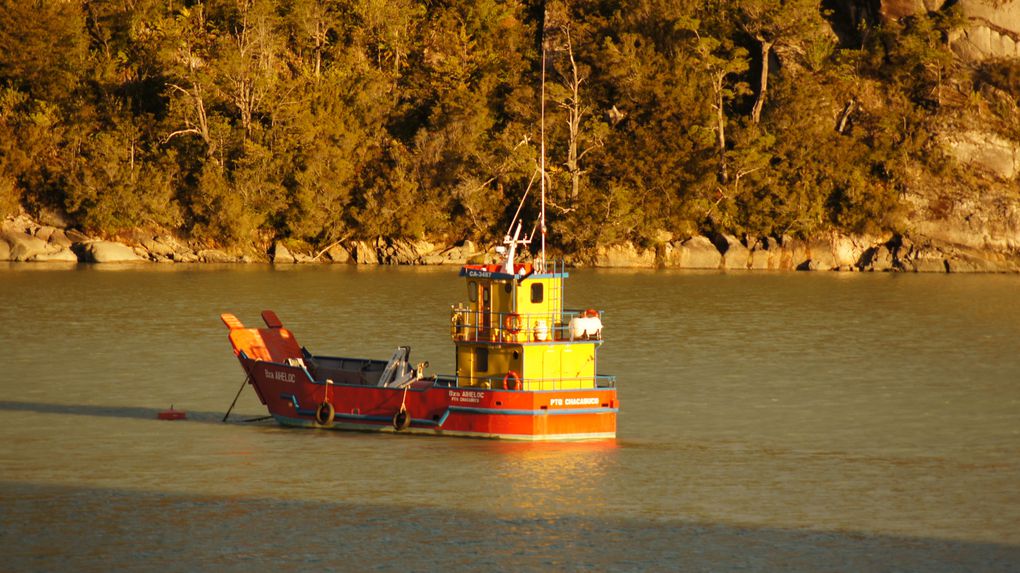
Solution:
(293, 399)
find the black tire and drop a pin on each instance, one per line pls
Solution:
(401, 420)
(324, 415)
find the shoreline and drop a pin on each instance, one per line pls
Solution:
(24, 240)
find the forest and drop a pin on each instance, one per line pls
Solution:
(235, 123)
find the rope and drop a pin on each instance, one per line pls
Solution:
(238, 395)
(247, 379)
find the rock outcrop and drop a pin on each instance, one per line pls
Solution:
(215, 256)
(457, 255)
(735, 255)
(160, 248)
(20, 246)
(62, 255)
(878, 258)
(280, 255)
(939, 246)
(336, 254)
(986, 151)
(365, 253)
(693, 253)
(993, 30)
(108, 252)
(625, 255)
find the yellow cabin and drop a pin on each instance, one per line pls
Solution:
(514, 333)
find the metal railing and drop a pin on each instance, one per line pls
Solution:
(599, 381)
(569, 325)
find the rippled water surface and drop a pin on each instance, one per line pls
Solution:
(777, 422)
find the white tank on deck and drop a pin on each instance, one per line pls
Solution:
(585, 327)
(541, 330)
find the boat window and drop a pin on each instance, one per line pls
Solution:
(537, 293)
(481, 359)
(485, 294)
(473, 291)
(507, 288)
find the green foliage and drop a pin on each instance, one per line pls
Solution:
(42, 47)
(914, 55)
(999, 85)
(1001, 74)
(116, 184)
(10, 196)
(321, 120)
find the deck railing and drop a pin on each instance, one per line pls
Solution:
(569, 325)
(529, 384)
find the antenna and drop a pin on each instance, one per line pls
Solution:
(545, 16)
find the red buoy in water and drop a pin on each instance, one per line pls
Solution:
(172, 414)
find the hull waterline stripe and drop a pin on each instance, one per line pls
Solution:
(452, 409)
(500, 412)
(298, 422)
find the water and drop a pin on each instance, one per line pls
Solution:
(773, 422)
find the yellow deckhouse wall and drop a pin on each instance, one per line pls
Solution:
(540, 304)
(487, 364)
(559, 366)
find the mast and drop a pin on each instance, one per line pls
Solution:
(545, 16)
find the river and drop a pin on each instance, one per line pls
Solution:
(769, 422)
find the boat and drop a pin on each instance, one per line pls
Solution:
(526, 368)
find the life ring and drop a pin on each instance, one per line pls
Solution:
(511, 381)
(512, 323)
(324, 414)
(401, 420)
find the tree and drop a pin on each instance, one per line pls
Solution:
(43, 46)
(389, 32)
(915, 54)
(463, 82)
(117, 182)
(249, 59)
(660, 158)
(559, 32)
(722, 59)
(771, 22)
(313, 26)
(189, 40)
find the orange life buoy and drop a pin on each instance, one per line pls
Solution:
(512, 323)
(511, 381)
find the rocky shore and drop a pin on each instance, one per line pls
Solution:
(23, 240)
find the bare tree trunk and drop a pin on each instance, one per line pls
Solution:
(576, 112)
(200, 125)
(766, 49)
(320, 40)
(573, 79)
(720, 116)
(251, 80)
(845, 116)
